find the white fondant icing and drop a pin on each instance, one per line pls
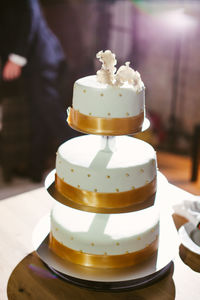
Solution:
(102, 100)
(82, 156)
(99, 233)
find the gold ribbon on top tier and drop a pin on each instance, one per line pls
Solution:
(136, 199)
(104, 126)
(102, 261)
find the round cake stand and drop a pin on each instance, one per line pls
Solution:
(117, 286)
(119, 279)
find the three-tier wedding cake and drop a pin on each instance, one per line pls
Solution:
(110, 177)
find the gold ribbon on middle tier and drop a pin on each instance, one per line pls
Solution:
(141, 197)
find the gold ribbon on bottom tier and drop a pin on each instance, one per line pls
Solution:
(102, 261)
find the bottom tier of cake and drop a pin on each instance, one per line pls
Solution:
(104, 240)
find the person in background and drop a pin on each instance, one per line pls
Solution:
(29, 49)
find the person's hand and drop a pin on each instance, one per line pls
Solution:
(11, 71)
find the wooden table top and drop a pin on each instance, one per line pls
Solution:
(24, 276)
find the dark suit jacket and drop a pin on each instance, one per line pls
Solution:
(23, 31)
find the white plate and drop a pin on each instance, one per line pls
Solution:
(190, 237)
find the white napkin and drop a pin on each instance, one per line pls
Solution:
(190, 209)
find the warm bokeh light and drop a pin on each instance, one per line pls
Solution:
(178, 21)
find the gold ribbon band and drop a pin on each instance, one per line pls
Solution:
(102, 261)
(118, 200)
(104, 126)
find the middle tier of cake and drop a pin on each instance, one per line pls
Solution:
(95, 173)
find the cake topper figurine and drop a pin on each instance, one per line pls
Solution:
(124, 74)
(127, 74)
(106, 73)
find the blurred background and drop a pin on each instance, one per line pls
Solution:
(161, 40)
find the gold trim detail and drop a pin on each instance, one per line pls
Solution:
(102, 261)
(115, 200)
(104, 126)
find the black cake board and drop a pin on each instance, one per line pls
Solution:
(118, 286)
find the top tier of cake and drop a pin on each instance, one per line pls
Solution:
(104, 109)
(112, 102)
(92, 98)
